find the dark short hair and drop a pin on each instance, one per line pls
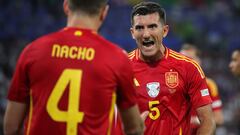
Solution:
(237, 49)
(145, 8)
(90, 7)
(189, 46)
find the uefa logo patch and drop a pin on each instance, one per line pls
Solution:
(153, 89)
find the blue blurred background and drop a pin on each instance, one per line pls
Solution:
(212, 25)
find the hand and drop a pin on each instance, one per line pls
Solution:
(144, 115)
(195, 120)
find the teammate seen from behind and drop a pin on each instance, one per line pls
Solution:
(193, 52)
(67, 82)
(234, 65)
(168, 84)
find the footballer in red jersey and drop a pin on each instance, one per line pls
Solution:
(190, 50)
(168, 84)
(168, 89)
(68, 82)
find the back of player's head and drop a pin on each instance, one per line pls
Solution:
(237, 49)
(191, 51)
(91, 7)
(145, 8)
(189, 46)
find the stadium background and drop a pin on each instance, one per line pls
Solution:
(213, 25)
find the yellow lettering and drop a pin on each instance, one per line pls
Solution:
(81, 53)
(90, 54)
(73, 52)
(64, 52)
(72, 116)
(154, 111)
(56, 50)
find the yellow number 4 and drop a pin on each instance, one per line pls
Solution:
(71, 116)
(155, 113)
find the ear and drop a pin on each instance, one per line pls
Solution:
(104, 12)
(165, 30)
(66, 7)
(131, 30)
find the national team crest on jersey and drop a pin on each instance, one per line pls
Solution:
(171, 79)
(153, 89)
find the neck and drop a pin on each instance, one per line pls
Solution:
(158, 56)
(80, 20)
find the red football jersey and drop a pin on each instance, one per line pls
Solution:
(71, 81)
(168, 89)
(216, 104)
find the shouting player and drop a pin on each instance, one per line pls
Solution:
(168, 84)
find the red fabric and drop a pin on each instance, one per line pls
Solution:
(39, 68)
(177, 93)
(216, 103)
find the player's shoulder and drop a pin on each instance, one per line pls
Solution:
(47, 38)
(184, 61)
(35, 43)
(111, 48)
(107, 44)
(133, 54)
(104, 44)
(180, 58)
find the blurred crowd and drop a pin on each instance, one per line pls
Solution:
(212, 25)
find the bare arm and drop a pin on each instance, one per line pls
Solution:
(13, 119)
(207, 123)
(218, 116)
(133, 124)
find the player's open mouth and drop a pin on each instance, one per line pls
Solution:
(148, 43)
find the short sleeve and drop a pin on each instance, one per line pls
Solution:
(197, 86)
(126, 94)
(19, 88)
(213, 89)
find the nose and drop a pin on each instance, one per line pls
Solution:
(146, 34)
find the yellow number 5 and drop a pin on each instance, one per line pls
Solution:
(72, 116)
(155, 113)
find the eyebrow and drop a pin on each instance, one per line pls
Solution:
(152, 25)
(149, 26)
(138, 26)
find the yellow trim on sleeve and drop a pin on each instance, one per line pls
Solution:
(30, 114)
(212, 86)
(111, 114)
(180, 131)
(180, 57)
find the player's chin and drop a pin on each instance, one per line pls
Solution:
(148, 53)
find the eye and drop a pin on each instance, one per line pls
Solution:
(138, 27)
(152, 26)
